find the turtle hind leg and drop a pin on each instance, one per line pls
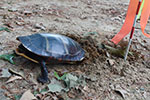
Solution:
(44, 73)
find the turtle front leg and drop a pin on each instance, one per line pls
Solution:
(44, 73)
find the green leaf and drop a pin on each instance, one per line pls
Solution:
(58, 77)
(8, 57)
(4, 29)
(39, 92)
(63, 77)
(43, 90)
(55, 86)
(71, 81)
(17, 97)
(35, 93)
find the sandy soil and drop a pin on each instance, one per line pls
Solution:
(110, 77)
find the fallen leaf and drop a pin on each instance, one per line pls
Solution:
(17, 97)
(28, 96)
(13, 9)
(13, 78)
(16, 73)
(8, 57)
(40, 93)
(71, 80)
(4, 29)
(121, 92)
(4, 73)
(55, 86)
(119, 52)
(58, 77)
(10, 25)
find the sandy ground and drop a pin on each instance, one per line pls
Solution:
(116, 81)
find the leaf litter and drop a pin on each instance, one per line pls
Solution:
(55, 86)
(13, 71)
(4, 29)
(8, 57)
(28, 96)
(13, 78)
(69, 81)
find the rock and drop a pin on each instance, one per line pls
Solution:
(13, 9)
(111, 62)
(27, 13)
(40, 26)
(20, 23)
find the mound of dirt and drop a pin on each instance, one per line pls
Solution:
(90, 44)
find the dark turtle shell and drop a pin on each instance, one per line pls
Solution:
(53, 45)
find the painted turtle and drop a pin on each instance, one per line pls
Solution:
(44, 48)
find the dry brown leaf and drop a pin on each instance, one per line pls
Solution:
(71, 95)
(121, 92)
(16, 72)
(13, 78)
(28, 96)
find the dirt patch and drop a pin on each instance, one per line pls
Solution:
(89, 44)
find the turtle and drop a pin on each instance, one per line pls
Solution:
(46, 48)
